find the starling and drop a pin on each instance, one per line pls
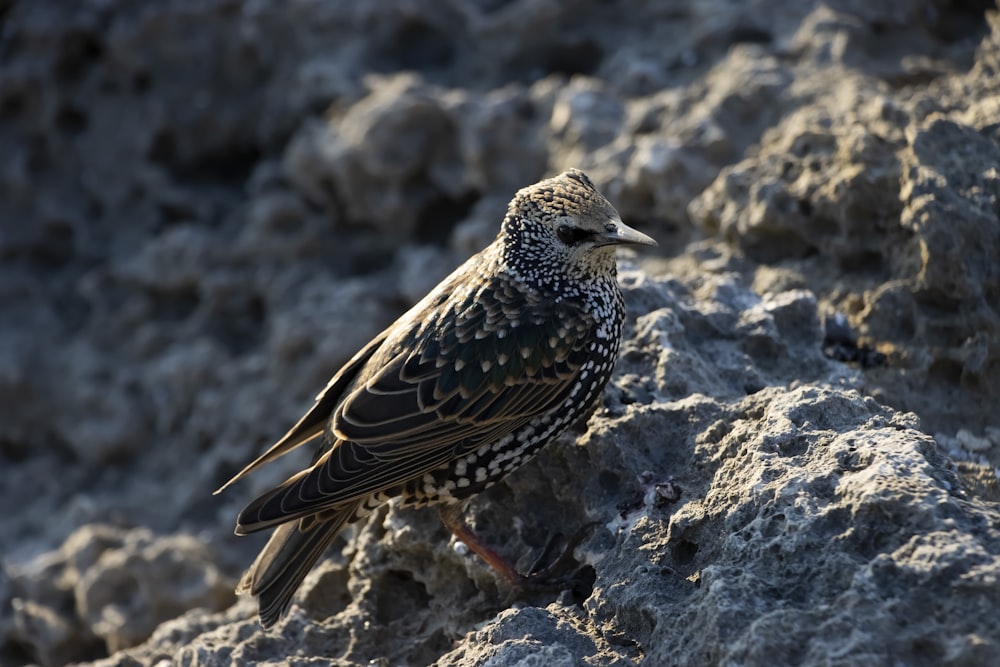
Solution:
(495, 362)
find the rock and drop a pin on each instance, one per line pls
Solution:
(422, 269)
(111, 585)
(866, 188)
(324, 324)
(585, 117)
(503, 139)
(515, 638)
(980, 480)
(946, 442)
(386, 160)
(972, 443)
(279, 225)
(812, 190)
(480, 227)
(811, 508)
(209, 206)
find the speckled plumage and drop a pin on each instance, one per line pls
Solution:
(497, 360)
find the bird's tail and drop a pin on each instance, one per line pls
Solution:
(286, 559)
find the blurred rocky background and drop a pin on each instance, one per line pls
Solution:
(206, 206)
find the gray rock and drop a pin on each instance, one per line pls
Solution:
(207, 207)
(729, 505)
(386, 159)
(863, 179)
(422, 269)
(535, 637)
(111, 586)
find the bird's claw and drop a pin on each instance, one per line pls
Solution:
(555, 574)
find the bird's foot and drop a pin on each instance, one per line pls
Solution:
(558, 572)
(546, 573)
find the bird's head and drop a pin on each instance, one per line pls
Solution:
(563, 226)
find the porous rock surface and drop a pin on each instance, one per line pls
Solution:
(208, 206)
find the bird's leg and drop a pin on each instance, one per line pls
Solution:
(538, 576)
(451, 517)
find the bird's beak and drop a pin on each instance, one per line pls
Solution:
(618, 232)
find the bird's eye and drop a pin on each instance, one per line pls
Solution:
(572, 235)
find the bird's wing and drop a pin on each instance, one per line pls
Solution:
(313, 422)
(446, 396)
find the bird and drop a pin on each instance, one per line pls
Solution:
(491, 365)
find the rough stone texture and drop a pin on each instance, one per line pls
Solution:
(208, 206)
(888, 177)
(107, 587)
